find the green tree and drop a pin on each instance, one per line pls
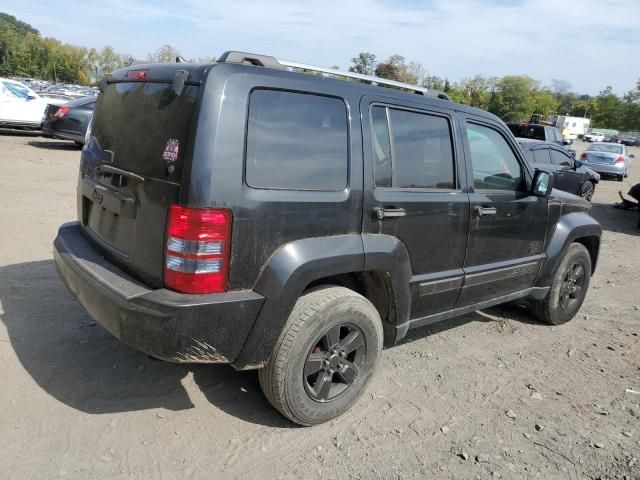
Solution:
(513, 100)
(433, 82)
(476, 91)
(165, 54)
(364, 63)
(608, 110)
(544, 102)
(395, 68)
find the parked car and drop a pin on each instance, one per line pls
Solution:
(593, 137)
(608, 159)
(242, 213)
(20, 107)
(570, 175)
(629, 141)
(69, 121)
(539, 132)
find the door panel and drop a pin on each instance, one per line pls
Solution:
(507, 225)
(427, 210)
(567, 178)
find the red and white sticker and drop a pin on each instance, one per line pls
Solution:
(171, 150)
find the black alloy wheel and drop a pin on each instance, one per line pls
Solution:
(334, 362)
(572, 285)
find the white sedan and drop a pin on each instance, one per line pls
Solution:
(20, 106)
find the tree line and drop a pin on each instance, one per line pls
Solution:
(25, 53)
(513, 97)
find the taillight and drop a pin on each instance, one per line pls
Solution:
(620, 159)
(136, 75)
(583, 156)
(197, 249)
(61, 112)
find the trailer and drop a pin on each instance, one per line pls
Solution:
(571, 127)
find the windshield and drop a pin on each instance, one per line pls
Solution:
(528, 131)
(17, 89)
(603, 147)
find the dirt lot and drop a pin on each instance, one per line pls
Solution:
(498, 396)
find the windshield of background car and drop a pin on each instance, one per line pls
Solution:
(16, 89)
(605, 148)
(528, 131)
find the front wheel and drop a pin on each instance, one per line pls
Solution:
(587, 190)
(568, 287)
(325, 356)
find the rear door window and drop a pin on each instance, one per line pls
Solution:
(412, 150)
(296, 141)
(541, 155)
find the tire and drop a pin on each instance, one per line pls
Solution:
(566, 295)
(619, 177)
(587, 190)
(318, 318)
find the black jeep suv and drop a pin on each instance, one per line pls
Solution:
(243, 213)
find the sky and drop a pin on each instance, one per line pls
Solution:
(589, 43)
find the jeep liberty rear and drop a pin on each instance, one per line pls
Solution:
(242, 213)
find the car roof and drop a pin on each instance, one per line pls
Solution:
(165, 72)
(608, 143)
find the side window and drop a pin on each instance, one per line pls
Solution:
(560, 158)
(529, 155)
(420, 148)
(296, 141)
(541, 155)
(381, 147)
(495, 166)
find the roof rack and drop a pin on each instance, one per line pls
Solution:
(272, 62)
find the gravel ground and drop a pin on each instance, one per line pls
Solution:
(499, 396)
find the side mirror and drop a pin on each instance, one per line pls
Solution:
(578, 163)
(568, 141)
(542, 183)
(31, 97)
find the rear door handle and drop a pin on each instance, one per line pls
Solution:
(382, 213)
(485, 211)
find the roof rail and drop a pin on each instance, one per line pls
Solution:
(272, 62)
(366, 78)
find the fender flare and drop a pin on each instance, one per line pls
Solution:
(297, 264)
(570, 227)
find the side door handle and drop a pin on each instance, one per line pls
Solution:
(485, 211)
(383, 213)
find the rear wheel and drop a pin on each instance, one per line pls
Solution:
(619, 177)
(587, 190)
(568, 287)
(324, 357)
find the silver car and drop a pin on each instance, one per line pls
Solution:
(608, 159)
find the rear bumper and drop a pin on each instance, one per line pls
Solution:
(607, 169)
(176, 327)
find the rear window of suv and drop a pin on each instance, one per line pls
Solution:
(535, 132)
(296, 141)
